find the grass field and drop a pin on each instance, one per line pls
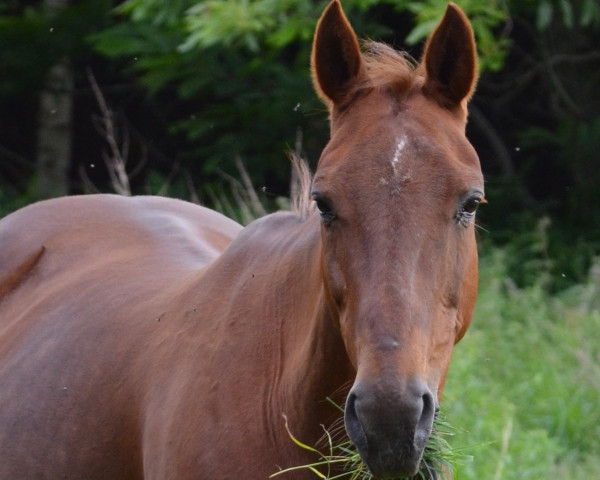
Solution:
(524, 386)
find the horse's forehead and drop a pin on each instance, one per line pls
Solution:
(384, 137)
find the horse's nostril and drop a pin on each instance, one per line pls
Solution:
(428, 406)
(353, 425)
(425, 423)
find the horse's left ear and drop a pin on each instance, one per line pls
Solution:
(335, 61)
(450, 60)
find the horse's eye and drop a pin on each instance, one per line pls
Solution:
(325, 207)
(468, 207)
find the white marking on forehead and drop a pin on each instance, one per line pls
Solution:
(400, 146)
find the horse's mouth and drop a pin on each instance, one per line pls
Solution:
(395, 466)
(387, 458)
(424, 471)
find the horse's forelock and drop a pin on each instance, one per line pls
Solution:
(386, 66)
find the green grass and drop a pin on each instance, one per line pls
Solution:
(527, 379)
(341, 460)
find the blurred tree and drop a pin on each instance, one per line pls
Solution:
(43, 52)
(543, 109)
(55, 118)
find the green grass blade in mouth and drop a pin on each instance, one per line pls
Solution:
(343, 460)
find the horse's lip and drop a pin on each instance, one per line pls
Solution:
(382, 472)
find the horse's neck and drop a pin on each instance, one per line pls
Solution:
(280, 258)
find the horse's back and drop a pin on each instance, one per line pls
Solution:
(83, 285)
(109, 224)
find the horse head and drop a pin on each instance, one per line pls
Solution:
(397, 187)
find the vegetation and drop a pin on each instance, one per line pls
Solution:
(341, 459)
(524, 384)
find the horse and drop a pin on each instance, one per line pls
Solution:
(150, 338)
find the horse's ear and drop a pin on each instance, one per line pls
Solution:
(450, 60)
(335, 60)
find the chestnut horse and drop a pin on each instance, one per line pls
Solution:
(147, 338)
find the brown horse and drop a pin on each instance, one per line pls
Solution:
(146, 338)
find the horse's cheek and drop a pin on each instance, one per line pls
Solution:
(335, 280)
(468, 296)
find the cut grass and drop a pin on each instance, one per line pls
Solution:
(342, 460)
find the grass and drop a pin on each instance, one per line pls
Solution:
(342, 460)
(525, 382)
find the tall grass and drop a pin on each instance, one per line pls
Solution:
(527, 379)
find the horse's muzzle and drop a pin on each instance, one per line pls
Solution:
(390, 426)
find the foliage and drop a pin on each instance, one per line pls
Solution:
(543, 110)
(11, 201)
(485, 18)
(572, 14)
(36, 38)
(523, 389)
(235, 96)
(577, 144)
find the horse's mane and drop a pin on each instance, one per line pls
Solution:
(386, 66)
(300, 201)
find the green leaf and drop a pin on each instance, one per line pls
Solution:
(421, 32)
(590, 13)
(544, 15)
(134, 39)
(567, 13)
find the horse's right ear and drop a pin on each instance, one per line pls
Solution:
(335, 60)
(450, 60)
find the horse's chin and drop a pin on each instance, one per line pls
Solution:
(422, 472)
(394, 466)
